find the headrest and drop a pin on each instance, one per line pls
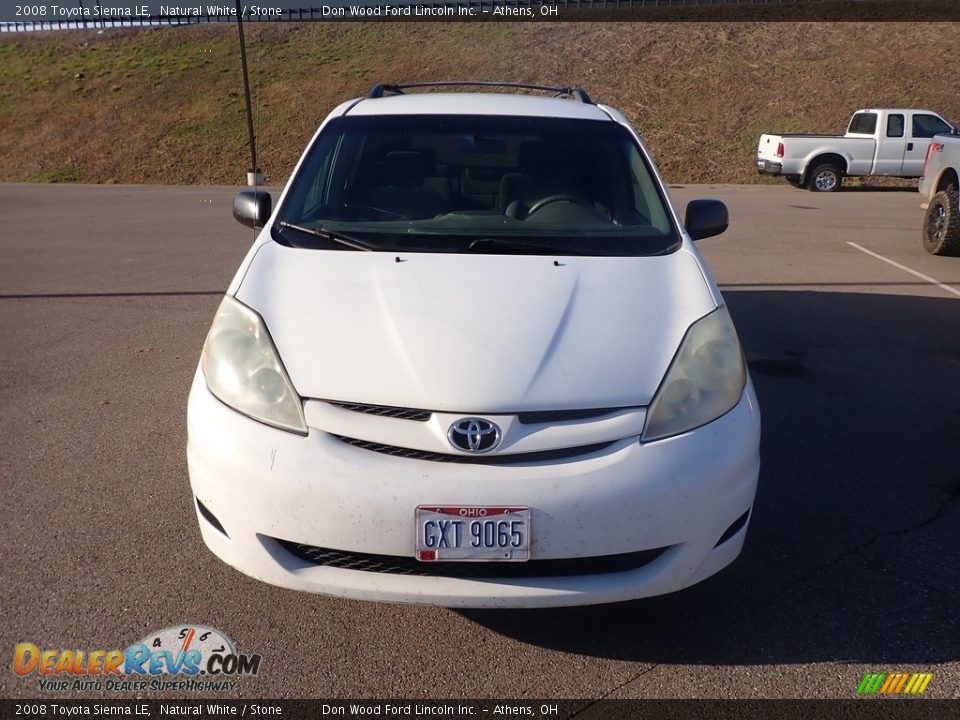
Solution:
(404, 168)
(543, 162)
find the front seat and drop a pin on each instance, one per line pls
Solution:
(543, 171)
(403, 194)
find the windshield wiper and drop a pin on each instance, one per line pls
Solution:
(506, 246)
(329, 235)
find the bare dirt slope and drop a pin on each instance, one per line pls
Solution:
(165, 105)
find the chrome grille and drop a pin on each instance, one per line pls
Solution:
(385, 411)
(557, 416)
(535, 417)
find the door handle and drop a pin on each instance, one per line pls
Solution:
(909, 147)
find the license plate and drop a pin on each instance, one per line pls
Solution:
(468, 534)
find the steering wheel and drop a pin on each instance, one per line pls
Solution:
(559, 197)
(384, 211)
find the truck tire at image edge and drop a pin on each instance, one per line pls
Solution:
(941, 225)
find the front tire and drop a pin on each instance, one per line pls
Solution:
(826, 177)
(941, 224)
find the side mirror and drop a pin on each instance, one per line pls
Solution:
(706, 218)
(252, 208)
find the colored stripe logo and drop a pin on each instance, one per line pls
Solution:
(894, 683)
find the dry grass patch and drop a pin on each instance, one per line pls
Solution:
(165, 105)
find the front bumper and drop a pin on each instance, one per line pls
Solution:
(263, 485)
(767, 167)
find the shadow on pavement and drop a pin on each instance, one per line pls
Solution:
(912, 188)
(852, 550)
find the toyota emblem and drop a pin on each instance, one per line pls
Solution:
(474, 435)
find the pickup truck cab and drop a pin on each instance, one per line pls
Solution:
(889, 142)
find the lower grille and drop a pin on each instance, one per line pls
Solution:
(397, 565)
(511, 459)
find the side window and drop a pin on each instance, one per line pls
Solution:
(319, 182)
(863, 123)
(317, 187)
(330, 170)
(645, 193)
(926, 126)
(895, 126)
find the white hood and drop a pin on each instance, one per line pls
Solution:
(475, 333)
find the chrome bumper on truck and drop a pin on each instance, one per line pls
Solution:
(765, 167)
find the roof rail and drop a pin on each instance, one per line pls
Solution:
(577, 93)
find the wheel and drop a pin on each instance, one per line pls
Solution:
(941, 225)
(825, 178)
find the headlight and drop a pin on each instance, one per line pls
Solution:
(243, 369)
(705, 379)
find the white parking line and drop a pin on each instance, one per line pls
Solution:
(932, 281)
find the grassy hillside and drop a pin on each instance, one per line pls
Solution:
(166, 106)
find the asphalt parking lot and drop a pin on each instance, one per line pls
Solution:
(851, 564)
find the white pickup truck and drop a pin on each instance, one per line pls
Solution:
(939, 186)
(891, 142)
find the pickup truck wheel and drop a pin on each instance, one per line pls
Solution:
(941, 225)
(825, 178)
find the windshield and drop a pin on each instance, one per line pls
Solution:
(430, 183)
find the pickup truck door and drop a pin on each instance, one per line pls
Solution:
(891, 145)
(923, 126)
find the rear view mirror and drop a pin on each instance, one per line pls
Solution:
(252, 208)
(706, 218)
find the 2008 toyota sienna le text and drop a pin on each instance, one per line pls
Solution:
(474, 359)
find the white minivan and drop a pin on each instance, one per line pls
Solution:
(474, 359)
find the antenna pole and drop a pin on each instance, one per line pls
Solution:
(253, 177)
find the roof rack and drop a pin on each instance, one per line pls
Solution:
(577, 93)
